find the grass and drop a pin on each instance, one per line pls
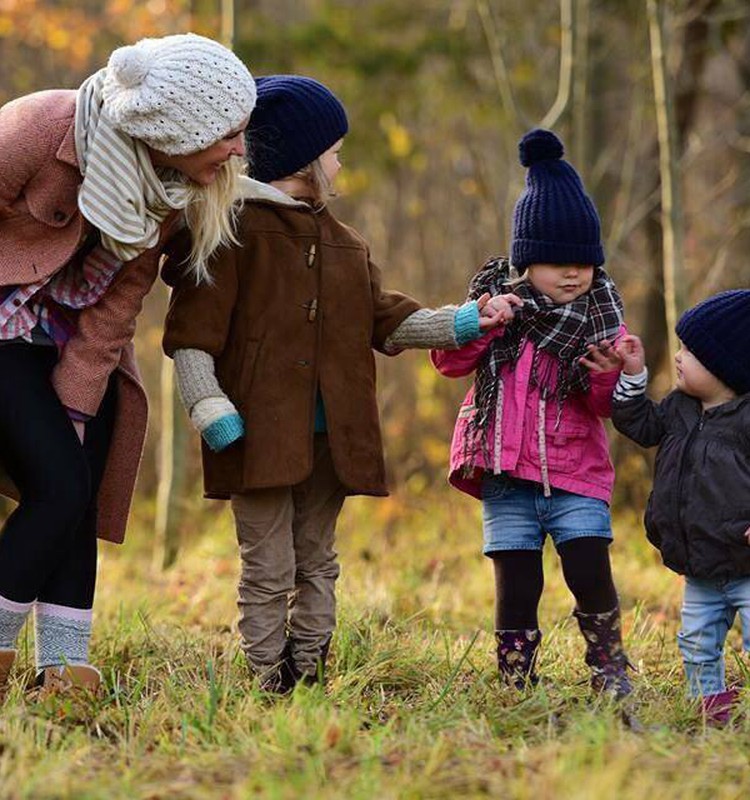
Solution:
(412, 708)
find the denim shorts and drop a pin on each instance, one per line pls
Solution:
(517, 515)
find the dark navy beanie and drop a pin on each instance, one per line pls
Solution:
(554, 221)
(295, 120)
(717, 333)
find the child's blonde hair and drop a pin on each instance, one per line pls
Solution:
(315, 177)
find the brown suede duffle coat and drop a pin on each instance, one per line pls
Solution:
(41, 228)
(297, 305)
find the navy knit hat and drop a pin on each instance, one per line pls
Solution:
(295, 120)
(717, 333)
(554, 221)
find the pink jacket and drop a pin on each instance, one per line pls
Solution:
(576, 448)
(40, 229)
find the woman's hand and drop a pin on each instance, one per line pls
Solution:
(497, 310)
(602, 357)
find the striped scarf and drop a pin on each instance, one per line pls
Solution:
(560, 330)
(121, 193)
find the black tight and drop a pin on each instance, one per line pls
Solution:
(48, 543)
(519, 580)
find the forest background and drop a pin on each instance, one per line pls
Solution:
(652, 100)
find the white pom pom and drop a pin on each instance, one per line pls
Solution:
(129, 65)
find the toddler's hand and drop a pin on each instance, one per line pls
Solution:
(630, 349)
(602, 357)
(497, 310)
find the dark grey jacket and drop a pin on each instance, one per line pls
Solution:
(699, 507)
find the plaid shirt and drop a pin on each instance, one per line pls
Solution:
(52, 303)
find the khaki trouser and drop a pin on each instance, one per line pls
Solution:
(289, 566)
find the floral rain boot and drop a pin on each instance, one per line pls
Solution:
(605, 654)
(516, 656)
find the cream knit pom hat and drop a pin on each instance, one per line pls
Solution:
(178, 94)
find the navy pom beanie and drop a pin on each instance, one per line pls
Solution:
(295, 120)
(554, 220)
(717, 333)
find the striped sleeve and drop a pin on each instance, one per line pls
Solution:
(630, 386)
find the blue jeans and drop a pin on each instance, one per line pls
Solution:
(517, 515)
(708, 611)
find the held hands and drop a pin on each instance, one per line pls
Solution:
(497, 310)
(628, 354)
(602, 357)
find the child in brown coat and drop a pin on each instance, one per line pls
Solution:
(275, 366)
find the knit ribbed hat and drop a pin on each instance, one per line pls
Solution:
(717, 333)
(179, 94)
(554, 221)
(296, 119)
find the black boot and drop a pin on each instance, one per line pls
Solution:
(516, 656)
(604, 652)
(282, 678)
(319, 676)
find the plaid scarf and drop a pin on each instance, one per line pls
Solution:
(561, 330)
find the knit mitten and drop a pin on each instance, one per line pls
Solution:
(218, 422)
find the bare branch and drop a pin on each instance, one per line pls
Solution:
(565, 80)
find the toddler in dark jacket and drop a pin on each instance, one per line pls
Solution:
(698, 514)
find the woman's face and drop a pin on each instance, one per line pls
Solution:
(203, 166)
(562, 283)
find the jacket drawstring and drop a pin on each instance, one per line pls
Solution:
(497, 447)
(542, 408)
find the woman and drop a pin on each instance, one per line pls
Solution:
(93, 184)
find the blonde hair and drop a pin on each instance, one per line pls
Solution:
(315, 177)
(211, 216)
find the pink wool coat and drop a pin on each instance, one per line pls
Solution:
(40, 229)
(577, 449)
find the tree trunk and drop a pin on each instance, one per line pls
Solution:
(693, 50)
(669, 151)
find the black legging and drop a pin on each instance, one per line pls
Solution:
(48, 548)
(519, 580)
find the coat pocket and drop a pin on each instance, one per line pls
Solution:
(247, 373)
(736, 523)
(565, 445)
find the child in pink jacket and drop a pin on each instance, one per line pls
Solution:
(529, 441)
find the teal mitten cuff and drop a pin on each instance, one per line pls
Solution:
(223, 432)
(467, 323)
